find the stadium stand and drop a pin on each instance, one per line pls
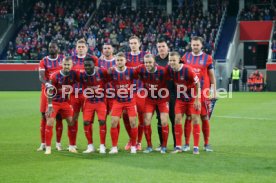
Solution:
(5, 7)
(254, 12)
(114, 22)
(60, 20)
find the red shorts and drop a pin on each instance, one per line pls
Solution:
(89, 110)
(140, 103)
(109, 104)
(129, 107)
(63, 108)
(205, 107)
(185, 108)
(77, 102)
(43, 101)
(151, 105)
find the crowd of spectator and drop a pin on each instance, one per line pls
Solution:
(114, 22)
(258, 13)
(5, 7)
(61, 20)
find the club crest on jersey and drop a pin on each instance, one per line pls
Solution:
(188, 61)
(201, 62)
(181, 77)
(98, 78)
(127, 77)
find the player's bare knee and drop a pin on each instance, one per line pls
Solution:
(195, 119)
(178, 119)
(101, 122)
(50, 121)
(132, 122)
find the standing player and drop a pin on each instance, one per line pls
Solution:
(47, 66)
(203, 66)
(58, 102)
(77, 99)
(162, 59)
(122, 78)
(135, 58)
(108, 61)
(187, 100)
(154, 78)
(93, 80)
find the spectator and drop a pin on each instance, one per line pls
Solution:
(273, 47)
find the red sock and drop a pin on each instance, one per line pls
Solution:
(42, 129)
(134, 134)
(48, 135)
(127, 124)
(165, 134)
(196, 133)
(206, 131)
(140, 128)
(178, 134)
(102, 133)
(59, 129)
(187, 131)
(88, 133)
(118, 128)
(114, 136)
(148, 135)
(76, 130)
(72, 135)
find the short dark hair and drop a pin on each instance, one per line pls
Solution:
(134, 37)
(121, 54)
(161, 40)
(197, 38)
(174, 53)
(66, 59)
(149, 55)
(81, 41)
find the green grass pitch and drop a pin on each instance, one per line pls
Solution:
(243, 137)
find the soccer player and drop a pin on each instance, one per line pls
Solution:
(77, 99)
(187, 100)
(122, 78)
(135, 58)
(93, 80)
(59, 88)
(162, 59)
(47, 66)
(107, 61)
(202, 64)
(154, 78)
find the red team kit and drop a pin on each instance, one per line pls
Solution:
(133, 96)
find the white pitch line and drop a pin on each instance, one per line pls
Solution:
(245, 117)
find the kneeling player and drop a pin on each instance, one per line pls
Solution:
(93, 80)
(58, 102)
(154, 78)
(187, 102)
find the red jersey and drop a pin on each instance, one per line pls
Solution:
(78, 65)
(185, 77)
(95, 82)
(154, 82)
(50, 65)
(134, 60)
(122, 82)
(107, 64)
(58, 79)
(201, 64)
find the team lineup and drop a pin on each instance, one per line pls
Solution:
(140, 83)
